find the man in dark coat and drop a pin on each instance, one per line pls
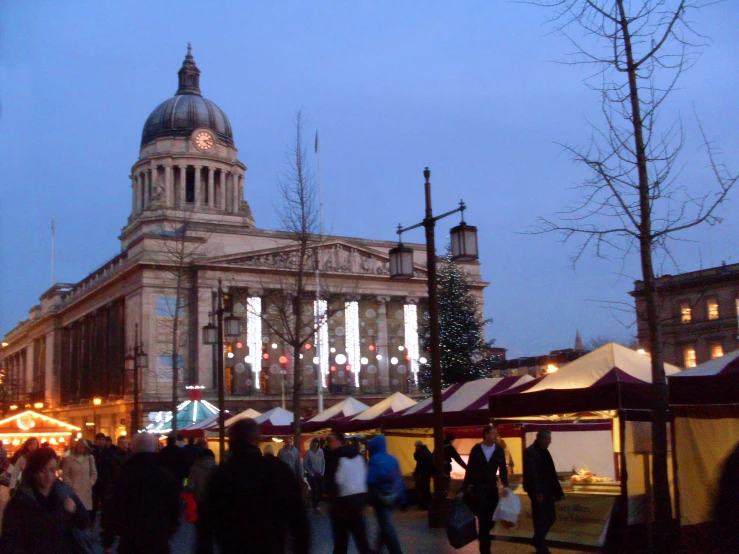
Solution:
(423, 472)
(103, 455)
(253, 501)
(172, 458)
(143, 505)
(541, 484)
(480, 486)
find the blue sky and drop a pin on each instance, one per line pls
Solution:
(468, 89)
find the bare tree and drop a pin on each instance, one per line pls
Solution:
(178, 247)
(296, 287)
(633, 199)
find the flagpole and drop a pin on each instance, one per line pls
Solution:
(318, 316)
(51, 275)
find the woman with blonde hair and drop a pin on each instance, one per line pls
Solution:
(80, 473)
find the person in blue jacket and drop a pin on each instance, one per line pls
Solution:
(386, 490)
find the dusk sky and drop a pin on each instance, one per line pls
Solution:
(467, 88)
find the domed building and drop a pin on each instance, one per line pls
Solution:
(190, 229)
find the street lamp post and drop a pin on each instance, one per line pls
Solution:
(137, 359)
(464, 248)
(213, 335)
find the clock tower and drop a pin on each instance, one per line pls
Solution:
(188, 170)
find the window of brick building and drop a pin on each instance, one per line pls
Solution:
(686, 312)
(689, 359)
(717, 350)
(712, 308)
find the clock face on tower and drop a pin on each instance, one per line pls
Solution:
(204, 140)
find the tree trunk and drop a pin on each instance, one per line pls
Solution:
(660, 482)
(297, 381)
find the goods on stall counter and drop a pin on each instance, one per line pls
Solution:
(584, 475)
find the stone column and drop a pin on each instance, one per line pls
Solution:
(383, 365)
(198, 197)
(222, 191)
(211, 187)
(235, 193)
(134, 184)
(168, 196)
(183, 186)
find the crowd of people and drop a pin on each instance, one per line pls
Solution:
(254, 500)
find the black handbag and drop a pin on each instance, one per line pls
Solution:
(460, 525)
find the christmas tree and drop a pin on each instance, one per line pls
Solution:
(461, 337)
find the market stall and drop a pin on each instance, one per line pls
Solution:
(465, 407)
(16, 429)
(705, 406)
(611, 386)
(275, 422)
(322, 420)
(371, 418)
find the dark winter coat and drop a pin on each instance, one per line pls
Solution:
(539, 474)
(142, 508)
(34, 524)
(200, 473)
(424, 462)
(481, 480)
(173, 458)
(252, 502)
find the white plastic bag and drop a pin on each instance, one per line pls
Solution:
(508, 509)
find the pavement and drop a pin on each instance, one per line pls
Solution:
(414, 534)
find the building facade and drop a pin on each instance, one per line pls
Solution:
(189, 228)
(699, 314)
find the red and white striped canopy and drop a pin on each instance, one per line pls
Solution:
(462, 404)
(347, 407)
(371, 417)
(276, 421)
(713, 382)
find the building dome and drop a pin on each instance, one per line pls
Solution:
(179, 116)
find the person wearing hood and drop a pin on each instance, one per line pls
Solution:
(386, 490)
(346, 484)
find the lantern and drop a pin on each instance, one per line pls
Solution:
(232, 326)
(464, 243)
(401, 262)
(210, 334)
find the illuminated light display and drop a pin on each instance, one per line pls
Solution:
(254, 333)
(282, 359)
(410, 316)
(320, 308)
(351, 311)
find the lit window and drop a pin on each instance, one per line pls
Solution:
(686, 312)
(712, 305)
(716, 350)
(689, 359)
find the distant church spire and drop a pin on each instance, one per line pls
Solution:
(189, 75)
(578, 341)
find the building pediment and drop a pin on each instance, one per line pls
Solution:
(337, 257)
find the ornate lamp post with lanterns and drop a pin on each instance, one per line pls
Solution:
(464, 248)
(213, 335)
(135, 360)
